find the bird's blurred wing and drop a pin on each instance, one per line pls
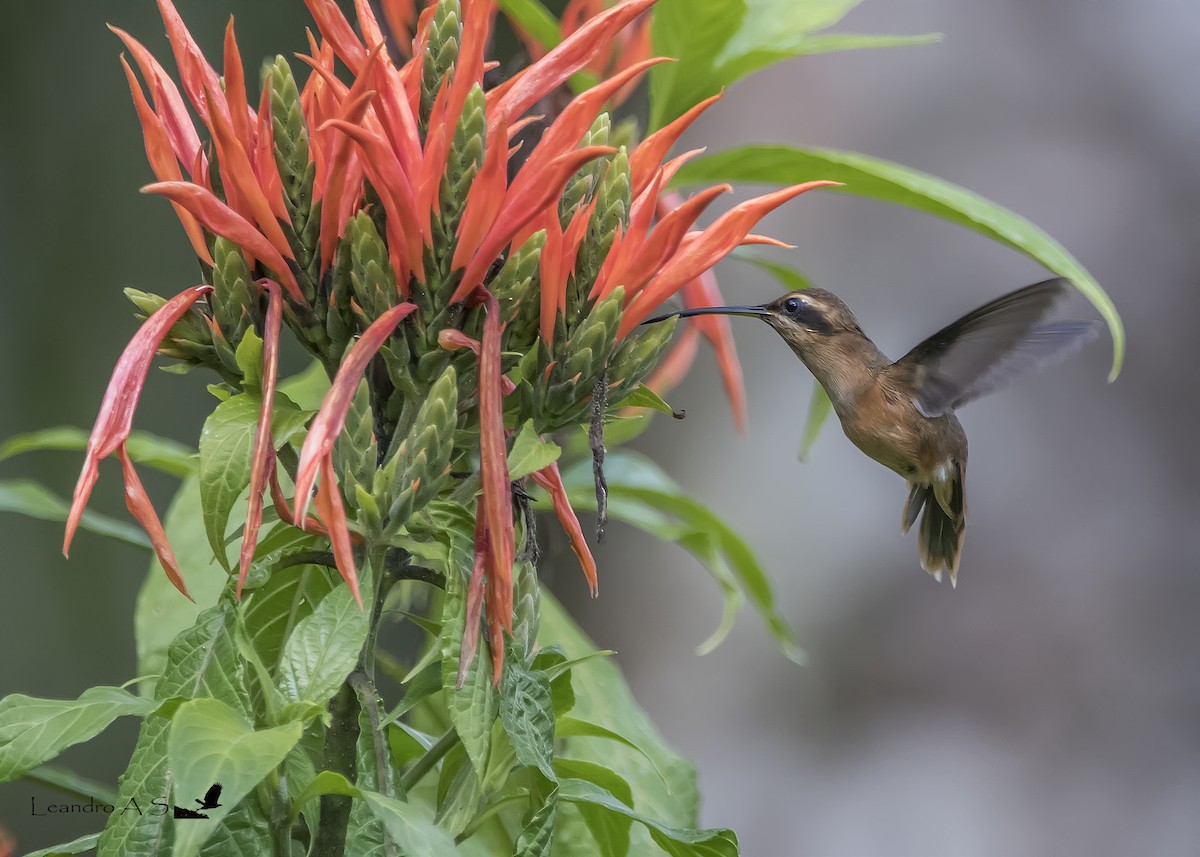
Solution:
(991, 346)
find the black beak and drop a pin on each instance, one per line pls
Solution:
(711, 310)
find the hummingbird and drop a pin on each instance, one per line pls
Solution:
(902, 413)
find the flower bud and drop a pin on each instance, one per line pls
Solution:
(526, 607)
(463, 161)
(516, 289)
(441, 52)
(610, 214)
(637, 356)
(421, 462)
(355, 451)
(372, 280)
(582, 358)
(231, 298)
(580, 188)
(190, 339)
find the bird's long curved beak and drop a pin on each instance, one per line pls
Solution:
(711, 310)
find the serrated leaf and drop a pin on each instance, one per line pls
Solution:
(25, 497)
(323, 649)
(34, 730)
(530, 453)
(536, 836)
(879, 179)
(137, 827)
(680, 842)
(472, 707)
(76, 846)
(245, 832)
(409, 827)
(151, 450)
(288, 597)
(204, 661)
(211, 743)
(527, 712)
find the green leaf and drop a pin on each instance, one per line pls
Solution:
(641, 494)
(151, 450)
(288, 597)
(66, 780)
(791, 279)
(226, 445)
(610, 830)
(410, 828)
(535, 838)
(642, 396)
(324, 783)
(638, 753)
(212, 743)
(245, 832)
(204, 661)
(890, 182)
(162, 613)
(34, 730)
(674, 840)
(819, 409)
(472, 707)
(249, 358)
(527, 712)
(76, 846)
(535, 19)
(720, 41)
(323, 649)
(530, 453)
(138, 827)
(35, 501)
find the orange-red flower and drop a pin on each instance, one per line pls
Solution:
(382, 143)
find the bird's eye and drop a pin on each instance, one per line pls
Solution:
(791, 305)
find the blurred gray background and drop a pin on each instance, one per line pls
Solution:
(1050, 705)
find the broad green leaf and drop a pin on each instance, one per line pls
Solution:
(473, 706)
(200, 662)
(140, 825)
(610, 830)
(324, 783)
(249, 358)
(226, 444)
(36, 501)
(535, 838)
(66, 780)
(162, 613)
(602, 696)
(34, 730)
(151, 450)
(642, 495)
(530, 453)
(204, 661)
(76, 846)
(323, 649)
(288, 597)
(642, 396)
(211, 743)
(680, 842)
(718, 42)
(819, 409)
(891, 182)
(527, 712)
(535, 19)
(245, 832)
(410, 827)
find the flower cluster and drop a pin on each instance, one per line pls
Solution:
(455, 284)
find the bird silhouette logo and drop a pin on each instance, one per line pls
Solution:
(211, 800)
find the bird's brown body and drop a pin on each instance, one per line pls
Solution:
(902, 413)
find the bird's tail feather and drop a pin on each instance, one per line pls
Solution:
(943, 524)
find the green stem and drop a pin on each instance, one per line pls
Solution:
(425, 764)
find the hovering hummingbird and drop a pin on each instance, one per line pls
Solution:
(902, 414)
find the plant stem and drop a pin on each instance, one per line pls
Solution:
(341, 743)
(425, 764)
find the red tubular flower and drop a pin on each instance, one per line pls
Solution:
(115, 421)
(262, 458)
(551, 480)
(331, 417)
